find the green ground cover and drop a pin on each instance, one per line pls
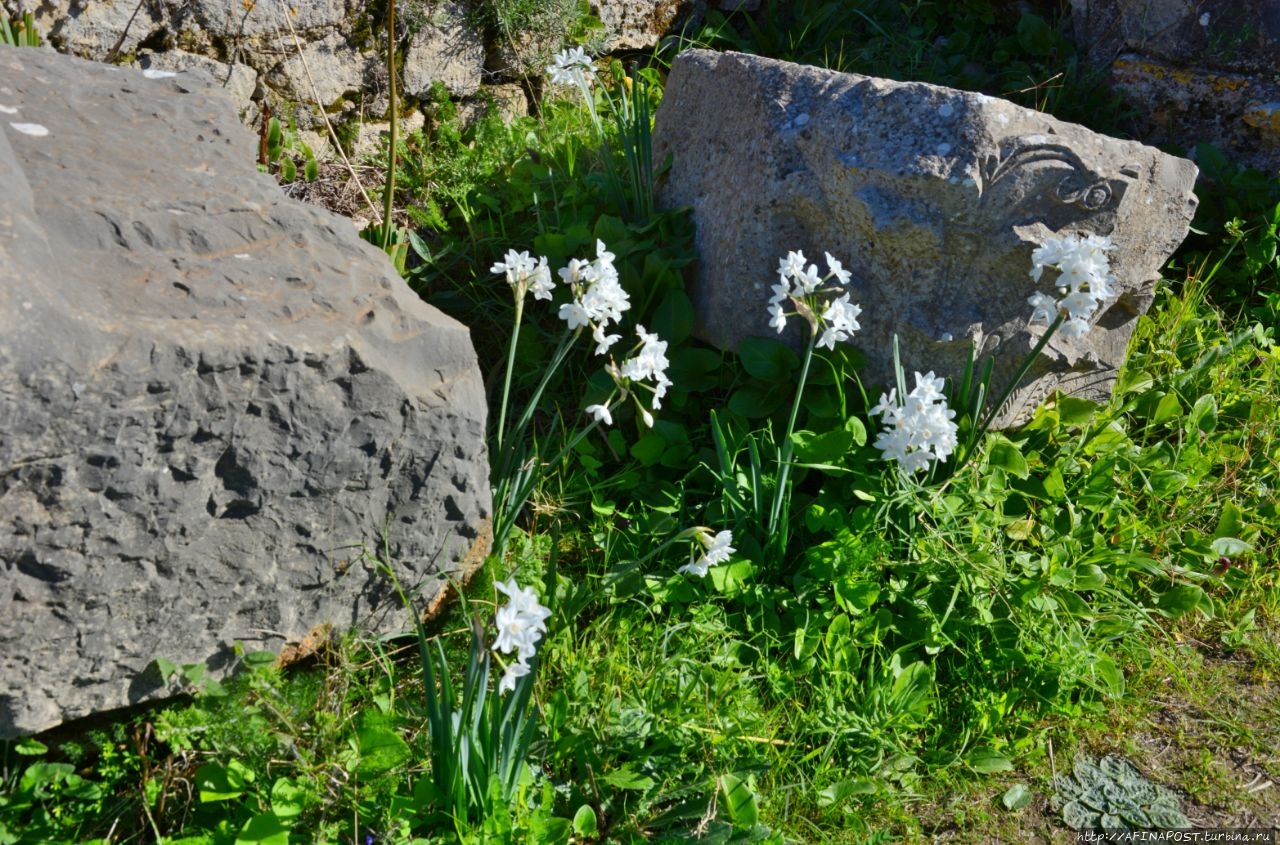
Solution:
(970, 653)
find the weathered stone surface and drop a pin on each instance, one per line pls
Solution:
(212, 398)
(237, 80)
(91, 28)
(639, 24)
(238, 20)
(322, 72)
(445, 48)
(1192, 71)
(933, 198)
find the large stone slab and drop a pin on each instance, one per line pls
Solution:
(933, 198)
(212, 400)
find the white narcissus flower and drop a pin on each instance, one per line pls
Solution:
(920, 430)
(521, 622)
(716, 550)
(801, 284)
(570, 68)
(1084, 276)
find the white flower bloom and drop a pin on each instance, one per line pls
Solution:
(777, 316)
(1043, 307)
(575, 315)
(792, 265)
(715, 551)
(650, 363)
(603, 341)
(837, 269)
(570, 68)
(1084, 278)
(540, 281)
(1074, 328)
(515, 670)
(601, 413)
(920, 430)
(521, 622)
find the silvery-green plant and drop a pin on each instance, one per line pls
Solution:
(1112, 793)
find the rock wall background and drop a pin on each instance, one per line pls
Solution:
(306, 56)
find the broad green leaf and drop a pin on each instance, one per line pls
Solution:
(1074, 411)
(648, 450)
(754, 401)
(1168, 409)
(264, 829)
(1204, 415)
(1016, 797)
(311, 170)
(911, 689)
(29, 747)
(1109, 676)
(1230, 521)
(1180, 600)
(673, 319)
(768, 359)
(260, 658)
(625, 777)
(856, 596)
(166, 668)
(739, 801)
(288, 800)
(221, 783)
(1006, 455)
(1229, 547)
(1166, 482)
(585, 823)
(988, 761)
(381, 748)
(826, 448)
(840, 790)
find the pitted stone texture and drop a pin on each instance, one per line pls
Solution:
(446, 49)
(933, 198)
(212, 399)
(1191, 72)
(238, 80)
(323, 71)
(639, 24)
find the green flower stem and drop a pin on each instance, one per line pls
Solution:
(980, 429)
(393, 108)
(511, 365)
(515, 489)
(782, 494)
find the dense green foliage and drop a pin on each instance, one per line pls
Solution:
(872, 637)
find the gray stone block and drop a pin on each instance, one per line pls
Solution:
(212, 399)
(933, 198)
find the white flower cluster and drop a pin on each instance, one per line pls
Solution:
(919, 431)
(571, 67)
(801, 285)
(598, 302)
(598, 297)
(715, 550)
(524, 274)
(1084, 280)
(649, 364)
(521, 622)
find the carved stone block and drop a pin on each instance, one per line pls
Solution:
(934, 198)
